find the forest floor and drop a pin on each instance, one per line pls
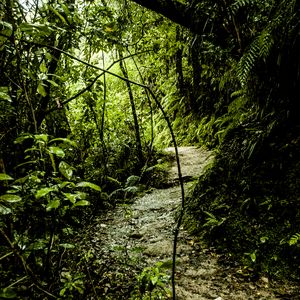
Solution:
(128, 242)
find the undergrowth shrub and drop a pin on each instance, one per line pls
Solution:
(40, 213)
(247, 203)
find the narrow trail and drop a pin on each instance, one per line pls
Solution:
(138, 235)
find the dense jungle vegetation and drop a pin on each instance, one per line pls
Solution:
(86, 87)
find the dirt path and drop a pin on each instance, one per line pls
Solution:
(139, 235)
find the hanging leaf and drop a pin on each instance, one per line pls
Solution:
(82, 203)
(66, 170)
(67, 246)
(22, 138)
(66, 183)
(8, 293)
(58, 14)
(5, 97)
(41, 137)
(35, 29)
(4, 176)
(11, 198)
(43, 67)
(4, 210)
(43, 192)
(71, 197)
(154, 280)
(22, 180)
(253, 256)
(52, 82)
(41, 90)
(53, 204)
(48, 56)
(90, 185)
(57, 151)
(6, 25)
(32, 149)
(26, 163)
(39, 244)
(64, 140)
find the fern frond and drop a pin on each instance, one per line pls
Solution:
(241, 3)
(266, 42)
(260, 48)
(262, 45)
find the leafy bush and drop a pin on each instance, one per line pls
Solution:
(250, 208)
(40, 212)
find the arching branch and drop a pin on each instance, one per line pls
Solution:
(87, 88)
(182, 14)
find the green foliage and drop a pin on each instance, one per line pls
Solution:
(294, 239)
(240, 4)
(5, 177)
(37, 208)
(231, 86)
(152, 283)
(235, 208)
(247, 203)
(73, 284)
(259, 49)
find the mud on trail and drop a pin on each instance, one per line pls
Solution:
(135, 236)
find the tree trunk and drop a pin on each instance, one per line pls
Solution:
(134, 114)
(196, 73)
(178, 64)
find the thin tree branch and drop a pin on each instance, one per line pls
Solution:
(177, 228)
(79, 60)
(16, 282)
(25, 265)
(104, 100)
(104, 148)
(134, 113)
(91, 84)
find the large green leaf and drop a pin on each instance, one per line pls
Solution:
(38, 245)
(41, 90)
(43, 192)
(22, 180)
(58, 14)
(41, 137)
(82, 203)
(4, 176)
(253, 256)
(27, 163)
(53, 204)
(64, 140)
(67, 246)
(22, 138)
(35, 29)
(5, 97)
(71, 197)
(53, 82)
(90, 185)
(66, 183)
(57, 151)
(8, 293)
(4, 210)
(43, 67)
(11, 198)
(65, 169)
(74, 197)
(6, 25)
